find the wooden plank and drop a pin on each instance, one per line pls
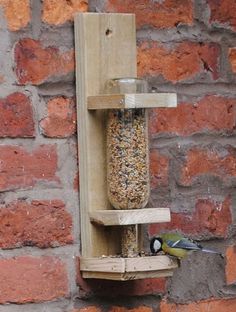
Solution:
(122, 265)
(103, 264)
(139, 100)
(127, 276)
(151, 263)
(102, 52)
(104, 275)
(106, 101)
(131, 216)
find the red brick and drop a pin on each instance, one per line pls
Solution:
(37, 223)
(16, 116)
(76, 182)
(36, 64)
(31, 279)
(137, 309)
(23, 169)
(232, 59)
(162, 14)
(159, 169)
(230, 269)
(212, 113)
(181, 62)
(210, 305)
(109, 288)
(61, 119)
(223, 13)
(60, 11)
(210, 217)
(200, 162)
(17, 13)
(1, 79)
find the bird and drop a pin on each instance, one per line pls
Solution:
(176, 245)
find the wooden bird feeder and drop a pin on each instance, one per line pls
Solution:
(106, 49)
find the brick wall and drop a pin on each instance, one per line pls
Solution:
(183, 46)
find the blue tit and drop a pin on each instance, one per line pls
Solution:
(176, 245)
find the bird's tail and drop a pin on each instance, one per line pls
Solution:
(212, 251)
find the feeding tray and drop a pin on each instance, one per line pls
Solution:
(128, 268)
(105, 49)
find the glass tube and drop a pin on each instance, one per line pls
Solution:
(127, 149)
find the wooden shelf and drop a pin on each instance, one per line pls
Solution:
(139, 100)
(131, 216)
(128, 268)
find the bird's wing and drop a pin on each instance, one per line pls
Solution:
(184, 244)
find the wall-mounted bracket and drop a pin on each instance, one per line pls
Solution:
(138, 100)
(106, 49)
(130, 216)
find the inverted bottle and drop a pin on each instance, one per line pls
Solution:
(127, 149)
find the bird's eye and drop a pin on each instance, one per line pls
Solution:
(157, 245)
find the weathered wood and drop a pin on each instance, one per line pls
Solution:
(131, 216)
(103, 264)
(129, 265)
(139, 100)
(128, 275)
(150, 263)
(102, 52)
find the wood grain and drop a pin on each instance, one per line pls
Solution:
(128, 268)
(105, 48)
(127, 101)
(127, 275)
(131, 216)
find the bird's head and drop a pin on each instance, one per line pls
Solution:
(156, 244)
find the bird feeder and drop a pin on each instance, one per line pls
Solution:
(113, 150)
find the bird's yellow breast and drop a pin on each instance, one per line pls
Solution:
(177, 252)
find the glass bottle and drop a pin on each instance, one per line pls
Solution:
(127, 149)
